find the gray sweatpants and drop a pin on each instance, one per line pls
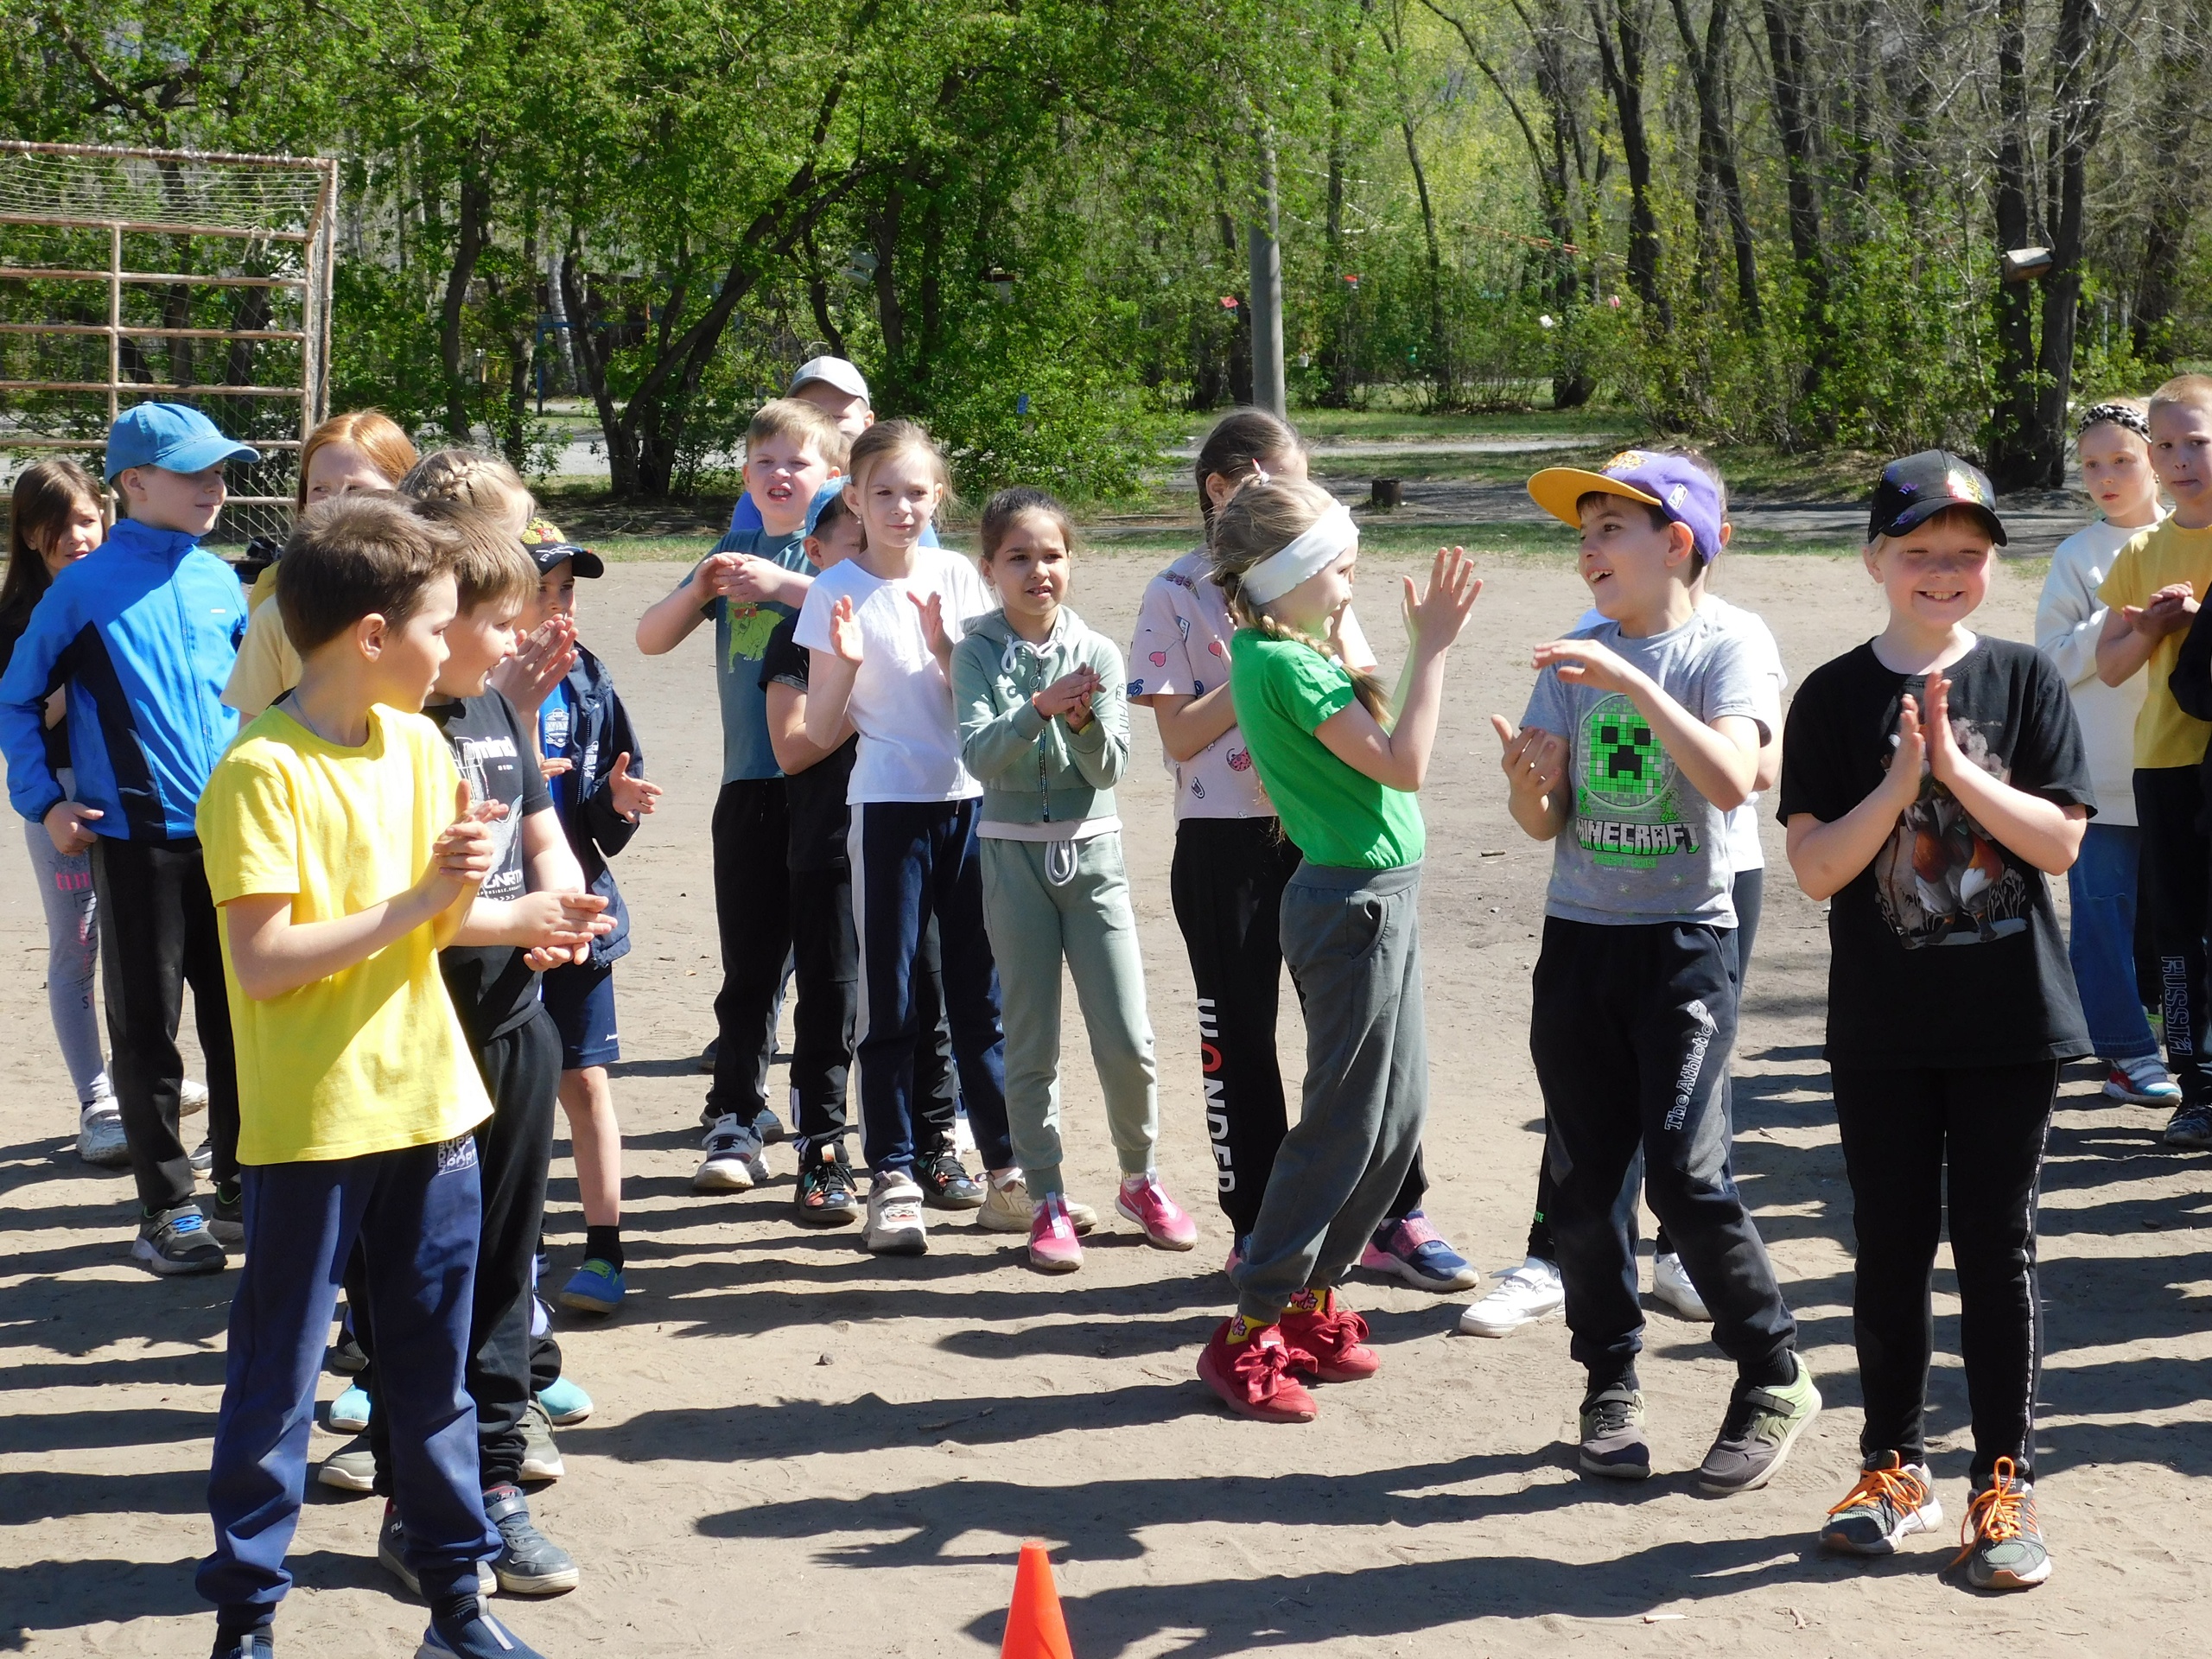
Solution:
(1352, 939)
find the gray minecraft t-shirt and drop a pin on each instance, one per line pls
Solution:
(1641, 843)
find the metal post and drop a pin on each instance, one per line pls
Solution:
(110, 501)
(1268, 387)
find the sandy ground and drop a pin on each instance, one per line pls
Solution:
(799, 1449)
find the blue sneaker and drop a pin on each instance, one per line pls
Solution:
(595, 1287)
(349, 1412)
(565, 1402)
(1412, 1251)
(472, 1635)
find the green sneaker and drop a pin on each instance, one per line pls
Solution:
(2004, 1547)
(1756, 1436)
(1613, 1445)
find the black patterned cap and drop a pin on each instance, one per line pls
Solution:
(1916, 488)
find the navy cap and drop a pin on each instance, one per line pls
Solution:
(1916, 488)
(547, 547)
(176, 437)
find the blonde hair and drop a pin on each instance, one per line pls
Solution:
(888, 438)
(489, 567)
(2185, 391)
(473, 478)
(802, 423)
(373, 432)
(1263, 518)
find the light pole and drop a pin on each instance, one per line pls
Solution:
(1267, 388)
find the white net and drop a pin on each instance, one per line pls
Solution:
(278, 196)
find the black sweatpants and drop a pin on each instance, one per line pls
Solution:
(752, 853)
(1630, 1032)
(158, 934)
(1903, 1133)
(1226, 883)
(1748, 894)
(2177, 865)
(514, 1146)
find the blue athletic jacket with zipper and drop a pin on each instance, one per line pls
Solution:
(143, 632)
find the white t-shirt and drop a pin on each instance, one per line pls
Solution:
(2068, 618)
(1764, 657)
(902, 703)
(1181, 649)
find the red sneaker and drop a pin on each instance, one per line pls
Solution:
(1253, 1377)
(1334, 1337)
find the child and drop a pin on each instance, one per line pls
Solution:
(55, 518)
(839, 390)
(1655, 714)
(1534, 1290)
(2151, 591)
(752, 581)
(143, 638)
(361, 449)
(596, 767)
(336, 850)
(1343, 772)
(1931, 780)
(2114, 442)
(1044, 724)
(1232, 860)
(881, 627)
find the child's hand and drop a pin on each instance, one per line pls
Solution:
(1532, 760)
(1910, 756)
(540, 662)
(1435, 616)
(1588, 663)
(69, 826)
(751, 581)
(2167, 611)
(933, 633)
(462, 855)
(1944, 756)
(845, 632)
(557, 766)
(1065, 696)
(633, 796)
(718, 575)
(561, 922)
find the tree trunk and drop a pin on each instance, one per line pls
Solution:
(1720, 189)
(474, 235)
(1620, 55)
(1440, 373)
(2158, 284)
(2012, 455)
(1793, 120)
(2078, 112)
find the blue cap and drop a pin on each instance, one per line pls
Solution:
(173, 436)
(1675, 484)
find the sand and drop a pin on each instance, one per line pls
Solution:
(799, 1449)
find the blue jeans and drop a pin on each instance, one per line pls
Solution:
(417, 1213)
(2102, 946)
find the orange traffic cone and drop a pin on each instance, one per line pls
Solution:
(1034, 1628)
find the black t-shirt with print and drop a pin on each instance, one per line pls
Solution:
(490, 986)
(817, 796)
(1945, 950)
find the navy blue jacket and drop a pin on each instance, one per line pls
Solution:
(601, 730)
(143, 632)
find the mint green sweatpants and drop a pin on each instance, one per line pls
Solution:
(1034, 924)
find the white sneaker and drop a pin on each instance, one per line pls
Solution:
(1671, 1289)
(726, 1168)
(894, 1217)
(2142, 1082)
(1530, 1292)
(191, 1097)
(99, 1135)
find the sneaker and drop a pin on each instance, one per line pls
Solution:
(1332, 1338)
(541, 1457)
(1756, 1436)
(564, 1402)
(475, 1634)
(203, 1158)
(346, 1356)
(225, 1213)
(254, 1645)
(595, 1287)
(2191, 1127)
(349, 1412)
(99, 1135)
(1142, 1200)
(733, 1161)
(767, 1128)
(1530, 1292)
(894, 1217)
(1613, 1447)
(177, 1242)
(946, 1184)
(391, 1555)
(1672, 1289)
(2001, 1543)
(2143, 1081)
(1411, 1249)
(824, 1195)
(1053, 1247)
(1893, 1499)
(529, 1563)
(191, 1097)
(1008, 1208)
(351, 1468)
(1253, 1377)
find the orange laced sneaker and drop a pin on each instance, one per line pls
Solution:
(1892, 1500)
(2001, 1543)
(1334, 1337)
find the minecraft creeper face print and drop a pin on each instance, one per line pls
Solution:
(1625, 809)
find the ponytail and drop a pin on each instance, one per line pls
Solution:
(1256, 522)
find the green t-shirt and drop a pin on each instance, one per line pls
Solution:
(1336, 815)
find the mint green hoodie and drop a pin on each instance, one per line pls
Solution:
(1033, 770)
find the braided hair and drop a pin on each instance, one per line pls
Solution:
(1258, 520)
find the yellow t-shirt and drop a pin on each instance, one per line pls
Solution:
(371, 1058)
(267, 666)
(2161, 556)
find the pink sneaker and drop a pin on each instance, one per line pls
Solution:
(1143, 1200)
(1053, 1247)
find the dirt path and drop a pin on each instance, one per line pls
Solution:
(801, 1450)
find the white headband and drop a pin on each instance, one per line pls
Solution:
(1328, 538)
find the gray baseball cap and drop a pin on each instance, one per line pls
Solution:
(833, 371)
